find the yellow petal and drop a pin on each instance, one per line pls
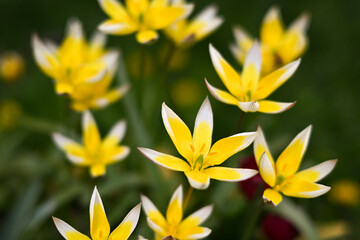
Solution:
(230, 174)
(115, 135)
(197, 217)
(274, 80)
(117, 154)
(174, 212)
(91, 135)
(243, 42)
(74, 151)
(272, 28)
(136, 7)
(178, 132)
(110, 97)
(252, 69)
(198, 179)
(162, 17)
(194, 232)
(96, 46)
(97, 170)
(273, 107)
(114, 9)
(147, 36)
(304, 189)
(228, 75)
(317, 172)
(220, 95)
(261, 146)
(226, 147)
(99, 225)
(68, 232)
(157, 219)
(127, 226)
(295, 41)
(272, 196)
(118, 27)
(267, 170)
(289, 160)
(203, 130)
(164, 160)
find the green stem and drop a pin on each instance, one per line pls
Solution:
(39, 125)
(142, 74)
(187, 197)
(239, 122)
(251, 224)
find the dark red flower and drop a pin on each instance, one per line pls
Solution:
(278, 228)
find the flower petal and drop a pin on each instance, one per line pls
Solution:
(261, 146)
(243, 42)
(252, 69)
(174, 212)
(295, 41)
(99, 225)
(203, 130)
(198, 179)
(168, 15)
(127, 226)
(91, 135)
(317, 172)
(74, 151)
(226, 147)
(197, 233)
(221, 95)
(197, 217)
(118, 153)
(272, 196)
(273, 107)
(111, 96)
(68, 232)
(154, 216)
(165, 160)
(304, 189)
(230, 174)
(267, 170)
(97, 170)
(178, 132)
(115, 135)
(147, 36)
(114, 9)
(272, 29)
(274, 80)
(117, 27)
(249, 106)
(228, 75)
(289, 160)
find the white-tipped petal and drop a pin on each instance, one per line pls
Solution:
(249, 106)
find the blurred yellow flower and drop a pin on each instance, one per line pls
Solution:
(10, 111)
(249, 89)
(12, 66)
(186, 32)
(99, 225)
(82, 70)
(283, 176)
(346, 192)
(94, 153)
(197, 150)
(279, 46)
(185, 92)
(173, 226)
(142, 16)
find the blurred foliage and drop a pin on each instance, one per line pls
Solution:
(38, 181)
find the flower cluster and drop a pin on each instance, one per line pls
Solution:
(84, 71)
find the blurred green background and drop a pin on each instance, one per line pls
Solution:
(37, 181)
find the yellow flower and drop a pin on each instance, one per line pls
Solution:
(94, 153)
(248, 89)
(10, 111)
(186, 32)
(283, 176)
(173, 225)
(82, 70)
(142, 16)
(346, 192)
(278, 45)
(12, 66)
(197, 150)
(99, 225)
